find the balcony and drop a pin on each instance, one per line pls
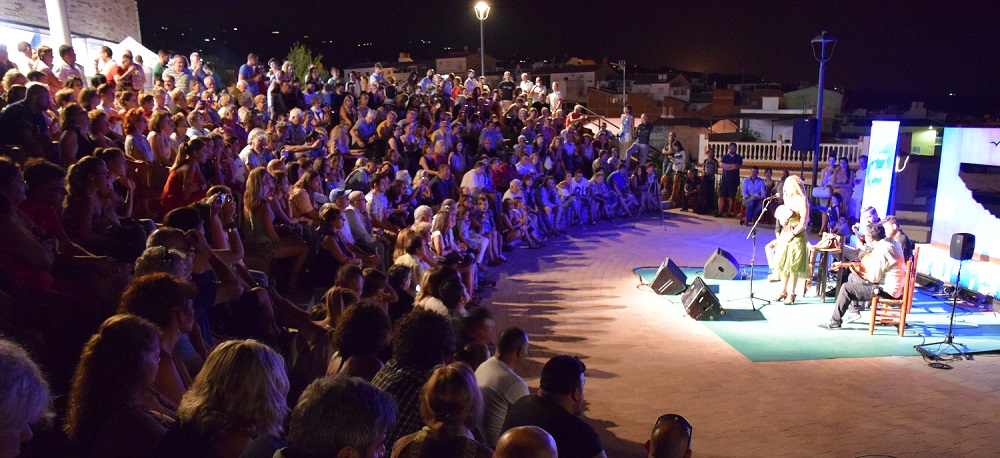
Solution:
(781, 157)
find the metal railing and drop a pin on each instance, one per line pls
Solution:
(592, 113)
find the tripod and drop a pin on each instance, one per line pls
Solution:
(949, 340)
(753, 258)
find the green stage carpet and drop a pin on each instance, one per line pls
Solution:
(778, 332)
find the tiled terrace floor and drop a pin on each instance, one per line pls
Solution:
(644, 359)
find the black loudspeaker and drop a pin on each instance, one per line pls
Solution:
(669, 279)
(804, 134)
(963, 245)
(721, 266)
(700, 302)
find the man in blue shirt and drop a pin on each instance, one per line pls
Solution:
(753, 196)
(248, 73)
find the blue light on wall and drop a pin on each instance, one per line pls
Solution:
(881, 166)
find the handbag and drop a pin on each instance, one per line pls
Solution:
(829, 241)
(821, 192)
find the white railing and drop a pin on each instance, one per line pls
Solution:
(781, 156)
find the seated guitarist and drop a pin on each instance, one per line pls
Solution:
(882, 268)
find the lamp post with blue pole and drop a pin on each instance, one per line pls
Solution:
(482, 12)
(822, 46)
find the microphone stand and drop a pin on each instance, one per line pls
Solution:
(753, 256)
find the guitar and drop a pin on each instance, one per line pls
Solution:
(856, 266)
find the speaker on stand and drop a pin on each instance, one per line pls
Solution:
(963, 246)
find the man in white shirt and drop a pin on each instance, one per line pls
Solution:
(526, 85)
(555, 97)
(253, 154)
(500, 385)
(69, 67)
(104, 63)
(580, 187)
(471, 83)
(428, 80)
(45, 65)
(538, 91)
(883, 269)
(475, 180)
(22, 58)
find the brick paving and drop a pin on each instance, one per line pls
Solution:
(644, 358)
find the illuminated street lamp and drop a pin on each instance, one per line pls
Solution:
(482, 12)
(822, 46)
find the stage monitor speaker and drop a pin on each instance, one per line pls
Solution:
(669, 279)
(963, 245)
(721, 266)
(804, 134)
(700, 302)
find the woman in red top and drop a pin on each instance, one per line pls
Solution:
(186, 185)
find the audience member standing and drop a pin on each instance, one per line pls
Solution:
(180, 73)
(69, 67)
(641, 146)
(555, 98)
(625, 136)
(857, 194)
(706, 194)
(731, 163)
(556, 409)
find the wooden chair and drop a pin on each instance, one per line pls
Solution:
(894, 311)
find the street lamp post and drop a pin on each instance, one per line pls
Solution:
(482, 12)
(822, 46)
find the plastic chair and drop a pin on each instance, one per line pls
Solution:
(894, 311)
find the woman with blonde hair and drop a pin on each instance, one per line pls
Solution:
(239, 395)
(792, 252)
(25, 399)
(263, 244)
(451, 407)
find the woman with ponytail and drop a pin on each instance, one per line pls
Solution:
(186, 185)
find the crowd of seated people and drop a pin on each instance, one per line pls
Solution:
(154, 234)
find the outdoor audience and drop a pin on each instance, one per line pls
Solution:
(195, 210)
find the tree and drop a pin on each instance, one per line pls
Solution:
(302, 57)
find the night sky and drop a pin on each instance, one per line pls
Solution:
(920, 49)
